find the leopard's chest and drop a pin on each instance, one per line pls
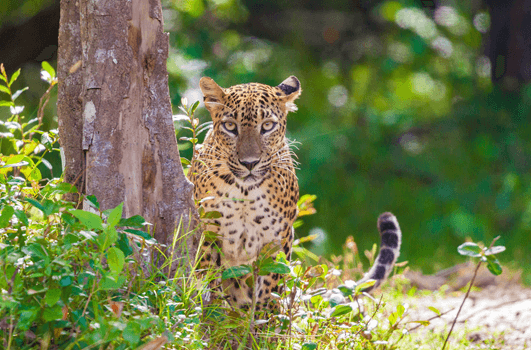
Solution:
(250, 218)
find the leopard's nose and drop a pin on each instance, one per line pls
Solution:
(249, 163)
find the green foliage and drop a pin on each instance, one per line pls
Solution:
(64, 268)
(70, 277)
(472, 249)
(487, 255)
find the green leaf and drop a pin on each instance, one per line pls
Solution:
(306, 198)
(268, 250)
(271, 266)
(92, 199)
(204, 200)
(17, 93)
(14, 159)
(400, 309)
(14, 77)
(180, 117)
(90, 220)
(108, 282)
(340, 310)
(5, 103)
(346, 291)
(107, 237)
(5, 89)
(365, 285)
(60, 188)
(303, 252)
(182, 108)
(123, 244)
(469, 249)
(67, 219)
(132, 333)
(393, 317)
(211, 236)
(309, 346)
(307, 239)
(194, 107)
(50, 207)
(115, 215)
(47, 67)
(236, 271)
(434, 310)
(65, 281)
(52, 296)
(38, 251)
(494, 265)
(133, 221)
(185, 161)
(35, 203)
(46, 163)
(13, 125)
(7, 213)
(21, 216)
(52, 313)
(47, 141)
(212, 215)
(116, 260)
(27, 317)
(495, 250)
(32, 174)
(142, 234)
(203, 127)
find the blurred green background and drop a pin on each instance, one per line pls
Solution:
(399, 110)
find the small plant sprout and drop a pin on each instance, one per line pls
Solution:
(194, 127)
(485, 254)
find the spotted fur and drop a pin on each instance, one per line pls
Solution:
(245, 166)
(245, 171)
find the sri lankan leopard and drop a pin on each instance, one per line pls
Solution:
(246, 169)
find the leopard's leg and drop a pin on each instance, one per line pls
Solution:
(271, 283)
(209, 264)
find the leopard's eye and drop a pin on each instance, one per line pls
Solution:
(230, 127)
(267, 126)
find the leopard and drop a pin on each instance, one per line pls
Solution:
(245, 171)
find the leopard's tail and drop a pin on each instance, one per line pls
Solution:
(391, 238)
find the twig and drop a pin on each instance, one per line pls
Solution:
(431, 318)
(88, 300)
(42, 103)
(463, 303)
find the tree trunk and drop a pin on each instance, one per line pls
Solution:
(115, 118)
(509, 44)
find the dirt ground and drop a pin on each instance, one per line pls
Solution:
(501, 311)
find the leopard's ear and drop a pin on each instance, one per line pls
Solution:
(213, 94)
(290, 90)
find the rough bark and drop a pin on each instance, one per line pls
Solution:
(115, 112)
(69, 105)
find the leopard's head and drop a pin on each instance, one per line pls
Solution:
(249, 125)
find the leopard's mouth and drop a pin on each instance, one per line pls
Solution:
(250, 178)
